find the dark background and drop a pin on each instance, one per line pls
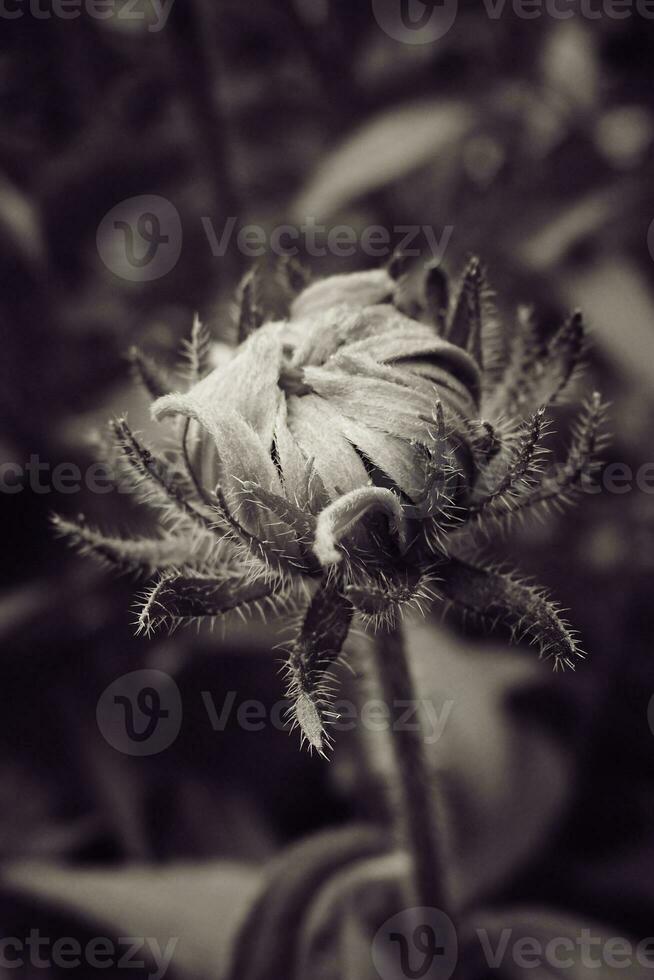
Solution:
(534, 140)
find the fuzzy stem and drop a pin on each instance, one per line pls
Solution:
(417, 814)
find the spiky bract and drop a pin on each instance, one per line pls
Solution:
(345, 458)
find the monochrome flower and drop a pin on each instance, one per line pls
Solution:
(344, 460)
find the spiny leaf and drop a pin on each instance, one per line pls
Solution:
(292, 275)
(441, 477)
(180, 597)
(135, 554)
(437, 297)
(155, 480)
(303, 524)
(148, 373)
(566, 350)
(582, 460)
(319, 643)
(465, 327)
(498, 597)
(399, 264)
(522, 466)
(514, 391)
(381, 597)
(279, 558)
(539, 373)
(196, 352)
(250, 314)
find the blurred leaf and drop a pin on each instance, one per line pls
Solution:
(572, 225)
(388, 147)
(570, 64)
(619, 307)
(200, 906)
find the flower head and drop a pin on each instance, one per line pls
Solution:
(343, 458)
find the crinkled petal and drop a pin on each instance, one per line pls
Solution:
(382, 405)
(315, 425)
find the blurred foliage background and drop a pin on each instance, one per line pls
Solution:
(534, 141)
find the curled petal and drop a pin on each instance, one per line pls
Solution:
(340, 519)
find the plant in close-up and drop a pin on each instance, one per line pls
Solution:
(345, 462)
(346, 457)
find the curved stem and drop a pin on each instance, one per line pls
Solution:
(419, 821)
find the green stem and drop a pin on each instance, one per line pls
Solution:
(418, 817)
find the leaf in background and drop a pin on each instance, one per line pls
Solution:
(200, 905)
(619, 307)
(572, 225)
(570, 65)
(505, 778)
(388, 147)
